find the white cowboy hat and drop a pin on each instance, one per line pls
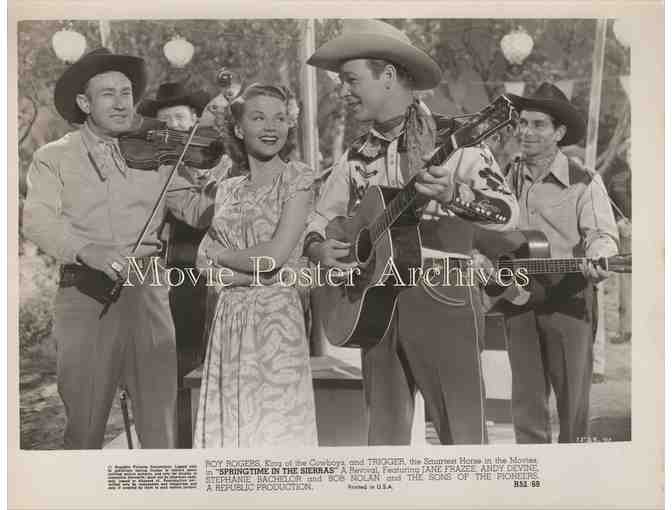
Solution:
(370, 38)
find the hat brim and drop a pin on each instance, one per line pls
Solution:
(197, 100)
(564, 113)
(425, 71)
(74, 79)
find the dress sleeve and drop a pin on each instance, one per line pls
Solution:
(301, 178)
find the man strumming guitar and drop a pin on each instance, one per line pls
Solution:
(551, 334)
(429, 346)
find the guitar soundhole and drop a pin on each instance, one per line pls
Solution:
(363, 246)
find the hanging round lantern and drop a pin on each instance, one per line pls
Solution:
(621, 32)
(516, 46)
(178, 51)
(68, 45)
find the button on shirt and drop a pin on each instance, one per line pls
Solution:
(80, 191)
(570, 206)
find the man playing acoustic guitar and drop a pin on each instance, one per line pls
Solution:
(430, 345)
(551, 336)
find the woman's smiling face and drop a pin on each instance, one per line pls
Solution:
(263, 126)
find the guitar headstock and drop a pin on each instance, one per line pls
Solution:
(621, 263)
(498, 114)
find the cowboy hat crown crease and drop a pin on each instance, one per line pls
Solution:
(98, 61)
(368, 38)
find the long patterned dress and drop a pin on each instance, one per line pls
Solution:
(257, 386)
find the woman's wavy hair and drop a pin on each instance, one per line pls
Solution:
(235, 146)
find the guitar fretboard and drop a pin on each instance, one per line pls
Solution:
(543, 266)
(406, 196)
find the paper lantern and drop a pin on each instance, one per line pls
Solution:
(68, 45)
(178, 51)
(621, 32)
(516, 46)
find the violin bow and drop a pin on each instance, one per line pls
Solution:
(114, 293)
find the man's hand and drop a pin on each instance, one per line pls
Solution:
(435, 183)
(480, 261)
(328, 252)
(592, 271)
(112, 260)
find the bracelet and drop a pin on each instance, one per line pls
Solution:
(311, 237)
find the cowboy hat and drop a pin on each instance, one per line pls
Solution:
(370, 38)
(549, 99)
(174, 94)
(98, 61)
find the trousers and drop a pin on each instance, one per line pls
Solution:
(551, 347)
(432, 346)
(132, 344)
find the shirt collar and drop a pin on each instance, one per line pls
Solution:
(559, 168)
(103, 152)
(375, 139)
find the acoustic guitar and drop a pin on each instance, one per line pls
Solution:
(384, 230)
(529, 251)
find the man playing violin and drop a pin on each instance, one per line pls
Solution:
(180, 108)
(86, 207)
(551, 327)
(430, 345)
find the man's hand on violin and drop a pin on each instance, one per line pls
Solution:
(112, 260)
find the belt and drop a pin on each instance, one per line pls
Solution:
(73, 275)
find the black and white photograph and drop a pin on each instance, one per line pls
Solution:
(273, 236)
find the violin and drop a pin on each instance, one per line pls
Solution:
(153, 144)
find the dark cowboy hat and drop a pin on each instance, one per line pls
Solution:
(98, 61)
(370, 38)
(174, 94)
(549, 99)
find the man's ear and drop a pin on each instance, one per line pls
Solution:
(83, 103)
(238, 132)
(389, 75)
(560, 132)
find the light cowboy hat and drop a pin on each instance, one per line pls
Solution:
(174, 94)
(369, 38)
(549, 99)
(98, 61)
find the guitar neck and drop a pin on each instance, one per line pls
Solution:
(405, 198)
(544, 266)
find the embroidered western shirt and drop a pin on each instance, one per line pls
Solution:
(376, 160)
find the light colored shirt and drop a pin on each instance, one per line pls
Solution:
(570, 205)
(377, 162)
(80, 191)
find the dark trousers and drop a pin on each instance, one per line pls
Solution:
(133, 344)
(432, 346)
(551, 346)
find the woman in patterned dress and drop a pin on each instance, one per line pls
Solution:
(257, 386)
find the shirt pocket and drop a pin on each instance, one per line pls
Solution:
(559, 211)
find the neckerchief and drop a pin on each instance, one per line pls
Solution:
(415, 141)
(419, 138)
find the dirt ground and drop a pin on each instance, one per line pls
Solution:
(43, 419)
